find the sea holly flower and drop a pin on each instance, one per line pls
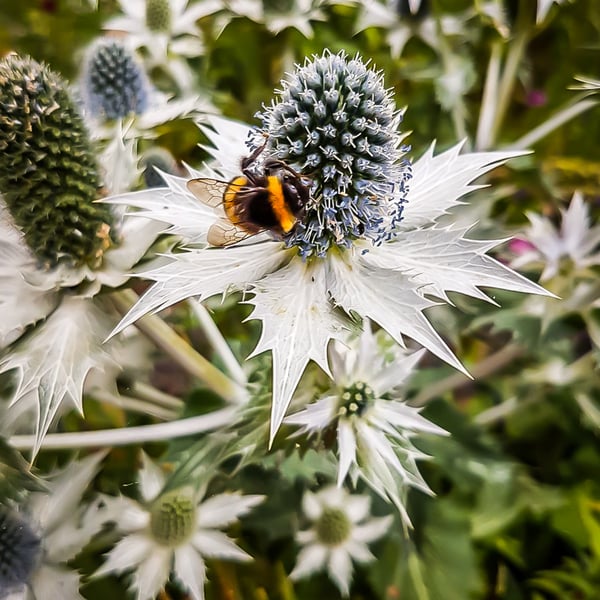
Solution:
(576, 240)
(173, 532)
(369, 243)
(49, 530)
(59, 246)
(405, 19)
(166, 30)
(341, 528)
(373, 426)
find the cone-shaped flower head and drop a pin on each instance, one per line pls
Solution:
(48, 174)
(158, 15)
(114, 83)
(335, 123)
(19, 550)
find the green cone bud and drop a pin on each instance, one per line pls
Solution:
(158, 15)
(173, 518)
(333, 527)
(48, 174)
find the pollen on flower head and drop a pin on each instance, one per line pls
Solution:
(158, 15)
(173, 517)
(355, 400)
(114, 84)
(336, 124)
(333, 527)
(48, 173)
(19, 550)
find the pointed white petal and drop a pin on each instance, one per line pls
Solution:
(152, 573)
(391, 299)
(401, 416)
(151, 478)
(66, 491)
(373, 530)
(129, 552)
(316, 416)
(310, 559)
(224, 509)
(439, 181)
(311, 506)
(340, 570)
(442, 260)
(298, 322)
(52, 363)
(358, 551)
(215, 544)
(204, 273)
(346, 449)
(395, 373)
(191, 571)
(357, 507)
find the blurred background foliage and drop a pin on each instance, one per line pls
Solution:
(517, 510)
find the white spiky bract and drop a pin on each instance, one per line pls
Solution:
(65, 524)
(374, 439)
(151, 560)
(390, 283)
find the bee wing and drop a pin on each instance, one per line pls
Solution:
(224, 233)
(208, 191)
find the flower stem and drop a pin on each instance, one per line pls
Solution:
(485, 368)
(149, 393)
(218, 342)
(133, 404)
(194, 363)
(128, 435)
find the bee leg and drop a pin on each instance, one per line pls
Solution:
(248, 160)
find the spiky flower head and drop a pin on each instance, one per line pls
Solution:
(48, 174)
(19, 550)
(114, 83)
(335, 123)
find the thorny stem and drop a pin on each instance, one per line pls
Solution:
(218, 342)
(485, 368)
(194, 363)
(128, 435)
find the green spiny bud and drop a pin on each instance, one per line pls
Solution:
(158, 15)
(333, 527)
(173, 518)
(48, 175)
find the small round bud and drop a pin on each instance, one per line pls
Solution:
(158, 15)
(333, 527)
(173, 518)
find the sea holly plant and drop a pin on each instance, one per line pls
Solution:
(370, 244)
(59, 247)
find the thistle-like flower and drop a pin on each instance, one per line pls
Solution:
(373, 426)
(173, 532)
(114, 85)
(577, 240)
(340, 532)
(368, 243)
(167, 31)
(404, 19)
(51, 529)
(58, 247)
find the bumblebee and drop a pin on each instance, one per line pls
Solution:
(271, 200)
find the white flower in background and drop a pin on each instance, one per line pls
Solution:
(121, 106)
(405, 19)
(341, 530)
(276, 15)
(50, 529)
(58, 248)
(172, 533)
(368, 243)
(576, 240)
(167, 31)
(373, 425)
